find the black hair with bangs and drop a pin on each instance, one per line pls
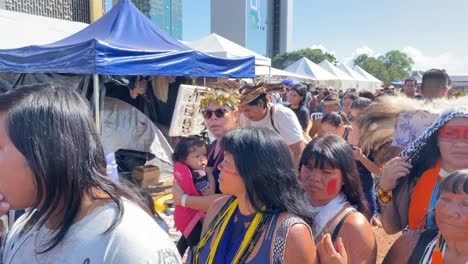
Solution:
(456, 182)
(331, 151)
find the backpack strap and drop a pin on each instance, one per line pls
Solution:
(340, 224)
(279, 247)
(271, 119)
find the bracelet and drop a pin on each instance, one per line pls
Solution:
(184, 199)
(384, 196)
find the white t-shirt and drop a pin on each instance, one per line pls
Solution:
(285, 121)
(137, 239)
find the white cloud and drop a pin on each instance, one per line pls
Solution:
(448, 61)
(322, 48)
(360, 51)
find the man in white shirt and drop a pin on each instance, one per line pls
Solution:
(256, 111)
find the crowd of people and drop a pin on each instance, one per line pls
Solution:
(301, 182)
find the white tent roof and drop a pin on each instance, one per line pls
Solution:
(363, 83)
(335, 71)
(351, 72)
(366, 74)
(277, 74)
(306, 67)
(216, 45)
(375, 83)
(346, 80)
(20, 29)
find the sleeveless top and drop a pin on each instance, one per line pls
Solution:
(263, 255)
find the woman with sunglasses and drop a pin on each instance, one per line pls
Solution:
(219, 109)
(409, 187)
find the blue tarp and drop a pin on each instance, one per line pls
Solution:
(123, 42)
(416, 75)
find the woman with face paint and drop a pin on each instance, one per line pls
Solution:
(449, 243)
(331, 181)
(409, 187)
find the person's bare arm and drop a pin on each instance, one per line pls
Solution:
(300, 247)
(357, 228)
(296, 151)
(402, 249)
(370, 166)
(200, 203)
(315, 127)
(394, 215)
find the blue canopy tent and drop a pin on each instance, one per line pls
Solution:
(122, 42)
(416, 75)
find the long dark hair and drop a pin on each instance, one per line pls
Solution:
(53, 129)
(425, 158)
(266, 167)
(302, 91)
(149, 202)
(333, 151)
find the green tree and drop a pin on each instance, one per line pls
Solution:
(392, 66)
(283, 60)
(360, 59)
(398, 64)
(376, 68)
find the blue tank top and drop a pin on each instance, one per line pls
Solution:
(262, 255)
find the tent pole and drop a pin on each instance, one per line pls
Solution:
(269, 74)
(204, 81)
(96, 101)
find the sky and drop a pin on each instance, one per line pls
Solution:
(433, 33)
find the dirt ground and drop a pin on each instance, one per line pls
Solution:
(384, 241)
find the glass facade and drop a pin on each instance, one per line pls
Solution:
(166, 14)
(73, 10)
(256, 26)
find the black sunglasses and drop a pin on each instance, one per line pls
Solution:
(219, 113)
(351, 118)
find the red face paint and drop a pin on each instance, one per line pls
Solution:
(331, 186)
(223, 169)
(453, 133)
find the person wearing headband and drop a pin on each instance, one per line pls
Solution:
(449, 243)
(410, 183)
(219, 109)
(256, 111)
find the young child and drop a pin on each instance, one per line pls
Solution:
(189, 172)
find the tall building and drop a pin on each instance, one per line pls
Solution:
(264, 26)
(73, 10)
(280, 26)
(166, 14)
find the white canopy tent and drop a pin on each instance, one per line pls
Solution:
(20, 29)
(375, 83)
(280, 75)
(346, 80)
(306, 67)
(363, 83)
(216, 45)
